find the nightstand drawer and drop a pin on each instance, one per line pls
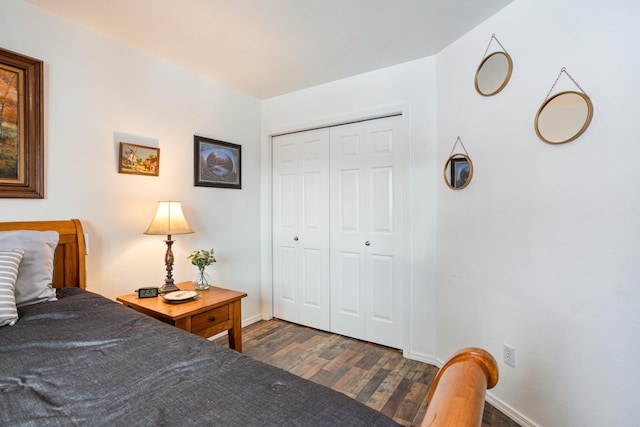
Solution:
(210, 319)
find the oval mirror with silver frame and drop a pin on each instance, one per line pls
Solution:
(563, 117)
(493, 73)
(458, 171)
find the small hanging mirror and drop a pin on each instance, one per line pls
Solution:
(564, 116)
(494, 70)
(458, 170)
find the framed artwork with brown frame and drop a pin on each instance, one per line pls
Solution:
(21, 126)
(217, 163)
(138, 159)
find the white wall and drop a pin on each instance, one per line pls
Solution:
(541, 250)
(408, 87)
(96, 90)
(538, 252)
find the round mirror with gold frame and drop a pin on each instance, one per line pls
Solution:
(458, 171)
(493, 73)
(563, 117)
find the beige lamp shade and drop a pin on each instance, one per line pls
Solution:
(169, 220)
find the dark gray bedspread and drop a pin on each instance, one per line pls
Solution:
(85, 360)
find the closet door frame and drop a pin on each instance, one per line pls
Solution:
(266, 241)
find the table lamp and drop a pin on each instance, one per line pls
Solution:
(169, 220)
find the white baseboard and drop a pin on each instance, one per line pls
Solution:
(250, 321)
(421, 357)
(509, 411)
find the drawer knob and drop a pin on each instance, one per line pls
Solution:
(212, 318)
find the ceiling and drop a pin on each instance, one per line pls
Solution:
(267, 48)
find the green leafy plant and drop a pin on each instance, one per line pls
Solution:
(202, 258)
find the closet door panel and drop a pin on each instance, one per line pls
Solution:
(368, 226)
(382, 200)
(313, 233)
(385, 312)
(311, 278)
(301, 224)
(311, 202)
(346, 296)
(382, 292)
(286, 205)
(285, 224)
(385, 318)
(348, 201)
(286, 289)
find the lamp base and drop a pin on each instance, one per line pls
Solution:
(168, 287)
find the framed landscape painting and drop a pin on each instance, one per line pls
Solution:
(139, 160)
(21, 126)
(217, 163)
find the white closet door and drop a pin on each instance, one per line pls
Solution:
(301, 228)
(366, 231)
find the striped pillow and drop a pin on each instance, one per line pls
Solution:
(9, 263)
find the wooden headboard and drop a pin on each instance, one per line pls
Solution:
(69, 270)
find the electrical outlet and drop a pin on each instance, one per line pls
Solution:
(509, 355)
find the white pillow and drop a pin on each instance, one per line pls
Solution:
(35, 275)
(9, 263)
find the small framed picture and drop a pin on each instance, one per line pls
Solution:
(217, 163)
(459, 172)
(139, 160)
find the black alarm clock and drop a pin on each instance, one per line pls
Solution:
(148, 292)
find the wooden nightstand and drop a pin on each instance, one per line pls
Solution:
(216, 310)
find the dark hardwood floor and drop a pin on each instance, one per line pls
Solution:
(375, 375)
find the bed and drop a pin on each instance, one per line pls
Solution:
(81, 359)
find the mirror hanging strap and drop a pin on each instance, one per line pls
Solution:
(564, 70)
(493, 37)
(458, 141)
